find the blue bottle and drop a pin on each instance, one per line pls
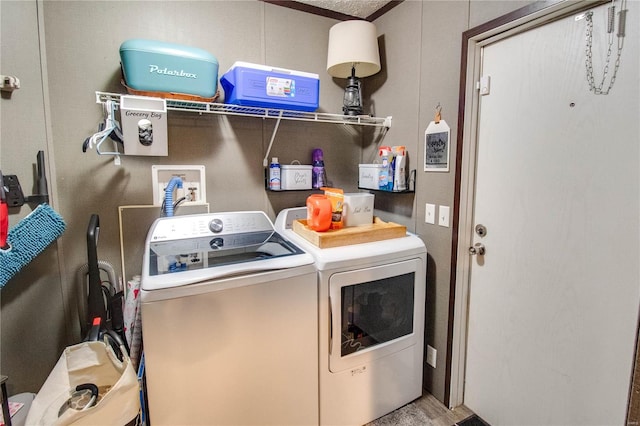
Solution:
(386, 174)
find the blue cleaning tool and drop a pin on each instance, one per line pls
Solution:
(28, 239)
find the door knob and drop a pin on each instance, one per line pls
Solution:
(478, 249)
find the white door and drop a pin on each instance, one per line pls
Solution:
(553, 304)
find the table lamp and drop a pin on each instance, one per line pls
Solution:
(353, 53)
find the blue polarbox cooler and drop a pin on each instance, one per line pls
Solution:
(158, 66)
(267, 87)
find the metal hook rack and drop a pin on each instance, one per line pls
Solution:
(13, 194)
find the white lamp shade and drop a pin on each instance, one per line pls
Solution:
(353, 43)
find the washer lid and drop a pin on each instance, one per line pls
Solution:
(210, 252)
(189, 249)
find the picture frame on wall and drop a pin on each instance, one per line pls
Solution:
(436, 147)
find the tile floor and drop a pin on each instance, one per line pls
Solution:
(437, 413)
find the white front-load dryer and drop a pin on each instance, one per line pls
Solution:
(229, 321)
(371, 310)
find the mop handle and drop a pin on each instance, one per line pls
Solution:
(4, 216)
(4, 225)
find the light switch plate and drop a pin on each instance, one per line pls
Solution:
(443, 216)
(430, 213)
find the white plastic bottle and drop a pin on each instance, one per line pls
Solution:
(384, 173)
(386, 176)
(274, 175)
(399, 176)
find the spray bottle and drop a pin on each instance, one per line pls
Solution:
(386, 178)
(318, 175)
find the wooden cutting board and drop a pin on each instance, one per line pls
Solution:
(377, 231)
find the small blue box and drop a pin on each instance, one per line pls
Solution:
(264, 86)
(157, 66)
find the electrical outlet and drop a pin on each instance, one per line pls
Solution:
(432, 354)
(193, 183)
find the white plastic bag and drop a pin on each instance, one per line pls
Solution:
(93, 362)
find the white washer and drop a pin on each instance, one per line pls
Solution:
(229, 321)
(371, 324)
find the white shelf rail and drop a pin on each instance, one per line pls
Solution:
(248, 111)
(227, 109)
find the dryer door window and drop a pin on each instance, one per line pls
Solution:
(374, 312)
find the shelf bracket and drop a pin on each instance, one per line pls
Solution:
(265, 160)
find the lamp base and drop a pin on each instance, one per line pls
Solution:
(352, 102)
(351, 111)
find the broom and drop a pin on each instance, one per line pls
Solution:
(27, 239)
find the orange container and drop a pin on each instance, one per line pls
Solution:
(318, 212)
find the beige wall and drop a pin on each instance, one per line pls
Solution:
(420, 49)
(32, 320)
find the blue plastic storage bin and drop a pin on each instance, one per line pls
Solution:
(256, 85)
(157, 66)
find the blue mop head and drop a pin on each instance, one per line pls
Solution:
(28, 238)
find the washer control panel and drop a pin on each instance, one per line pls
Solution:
(202, 225)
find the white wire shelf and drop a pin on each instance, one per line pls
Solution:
(227, 109)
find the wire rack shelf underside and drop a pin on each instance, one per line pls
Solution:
(248, 111)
